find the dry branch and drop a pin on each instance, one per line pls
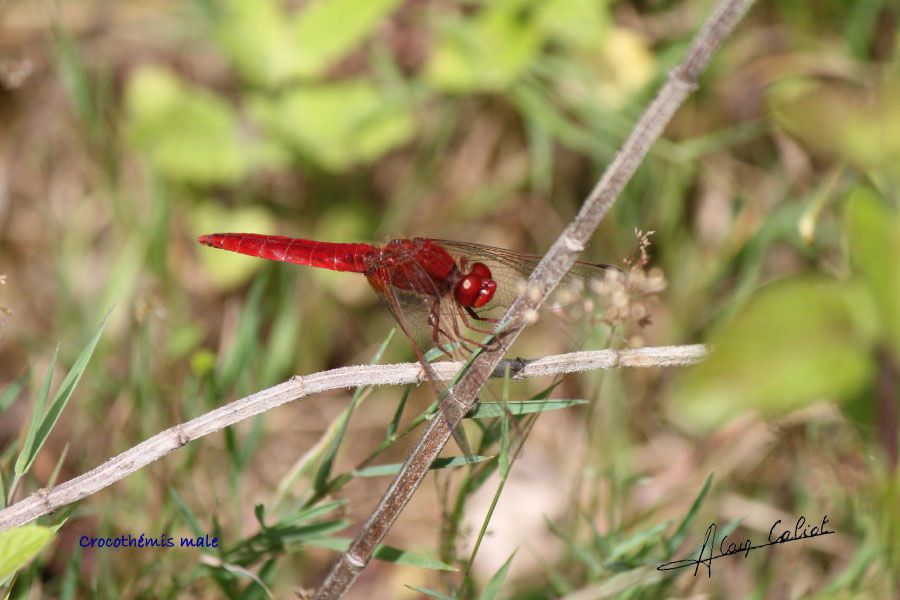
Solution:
(46, 501)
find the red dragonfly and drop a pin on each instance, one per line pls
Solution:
(440, 291)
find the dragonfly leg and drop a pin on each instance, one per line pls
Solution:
(459, 335)
(478, 317)
(490, 345)
(434, 319)
(467, 309)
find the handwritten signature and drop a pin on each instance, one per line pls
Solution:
(802, 530)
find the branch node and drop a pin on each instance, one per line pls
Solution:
(679, 77)
(43, 495)
(572, 244)
(355, 561)
(182, 438)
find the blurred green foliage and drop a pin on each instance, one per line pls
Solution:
(770, 360)
(336, 125)
(774, 201)
(271, 48)
(190, 135)
(803, 339)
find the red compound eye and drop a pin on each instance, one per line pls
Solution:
(481, 270)
(467, 289)
(476, 288)
(488, 287)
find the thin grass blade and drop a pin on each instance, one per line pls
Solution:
(440, 463)
(61, 398)
(492, 589)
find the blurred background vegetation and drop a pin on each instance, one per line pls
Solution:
(128, 128)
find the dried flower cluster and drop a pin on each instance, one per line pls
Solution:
(619, 297)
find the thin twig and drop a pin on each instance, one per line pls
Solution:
(558, 260)
(46, 501)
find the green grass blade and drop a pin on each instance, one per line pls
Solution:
(187, 515)
(673, 543)
(246, 340)
(69, 586)
(394, 425)
(244, 450)
(504, 463)
(491, 410)
(855, 571)
(61, 398)
(73, 74)
(430, 592)
(51, 481)
(579, 551)
(492, 589)
(11, 392)
(324, 471)
(26, 455)
(308, 514)
(281, 350)
(636, 542)
(67, 387)
(440, 463)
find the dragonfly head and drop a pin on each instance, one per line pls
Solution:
(475, 288)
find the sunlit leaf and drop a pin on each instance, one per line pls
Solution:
(487, 52)
(256, 35)
(866, 131)
(327, 29)
(20, 545)
(796, 342)
(577, 21)
(337, 125)
(874, 235)
(188, 134)
(269, 47)
(621, 66)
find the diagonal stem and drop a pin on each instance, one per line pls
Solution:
(558, 260)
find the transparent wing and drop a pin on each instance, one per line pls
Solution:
(427, 317)
(511, 270)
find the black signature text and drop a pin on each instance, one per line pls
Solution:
(778, 534)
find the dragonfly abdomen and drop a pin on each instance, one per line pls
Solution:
(324, 255)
